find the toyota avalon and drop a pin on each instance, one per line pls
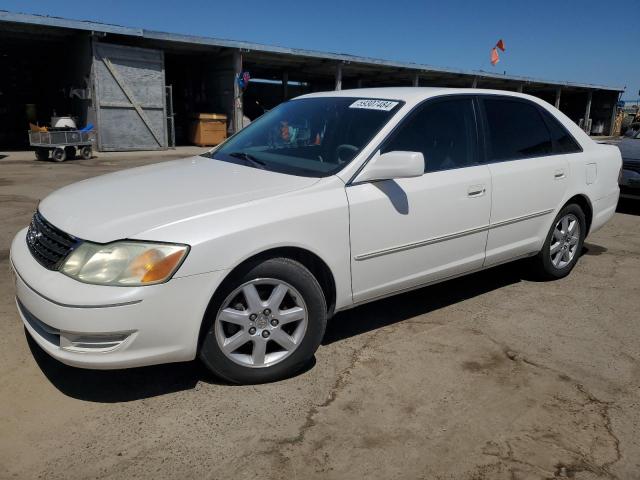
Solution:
(331, 200)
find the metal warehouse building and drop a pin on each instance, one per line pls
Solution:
(140, 88)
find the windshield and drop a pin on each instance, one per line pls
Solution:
(313, 137)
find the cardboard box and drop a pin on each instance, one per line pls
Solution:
(209, 116)
(208, 129)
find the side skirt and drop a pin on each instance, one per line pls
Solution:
(433, 282)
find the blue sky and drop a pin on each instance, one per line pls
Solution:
(582, 41)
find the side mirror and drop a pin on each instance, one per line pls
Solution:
(390, 165)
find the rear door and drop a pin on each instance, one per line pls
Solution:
(528, 179)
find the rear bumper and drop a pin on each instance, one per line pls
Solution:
(603, 210)
(104, 327)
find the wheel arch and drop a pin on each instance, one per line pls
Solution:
(316, 265)
(585, 204)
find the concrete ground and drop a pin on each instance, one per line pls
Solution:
(491, 376)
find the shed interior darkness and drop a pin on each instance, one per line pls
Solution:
(44, 67)
(39, 73)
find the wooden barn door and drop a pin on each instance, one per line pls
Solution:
(130, 104)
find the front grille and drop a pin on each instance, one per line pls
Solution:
(48, 245)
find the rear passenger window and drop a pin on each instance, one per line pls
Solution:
(515, 130)
(444, 131)
(563, 142)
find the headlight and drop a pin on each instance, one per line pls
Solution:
(125, 263)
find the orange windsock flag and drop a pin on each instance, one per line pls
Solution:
(494, 56)
(500, 45)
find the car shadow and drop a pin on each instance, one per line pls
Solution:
(397, 308)
(628, 206)
(592, 249)
(108, 386)
(125, 385)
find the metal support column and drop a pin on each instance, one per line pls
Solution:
(475, 82)
(338, 77)
(171, 116)
(520, 88)
(587, 111)
(416, 80)
(558, 94)
(237, 92)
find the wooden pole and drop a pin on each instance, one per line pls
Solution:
(237, 92)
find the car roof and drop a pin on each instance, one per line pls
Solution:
(415, 95)
(410, 94)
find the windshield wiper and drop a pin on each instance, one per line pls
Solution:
(248, 158)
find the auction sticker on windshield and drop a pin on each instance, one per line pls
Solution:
(369, 104)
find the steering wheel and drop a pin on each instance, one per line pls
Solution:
(348, 148)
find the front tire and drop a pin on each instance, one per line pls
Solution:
(563, 244)
(86, 152)
(265, 323)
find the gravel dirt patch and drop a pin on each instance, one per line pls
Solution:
(490, 376)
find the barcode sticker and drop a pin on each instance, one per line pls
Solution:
(368, 104)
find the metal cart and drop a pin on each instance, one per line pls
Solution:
(63, 144)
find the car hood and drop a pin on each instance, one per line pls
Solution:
(129, 202)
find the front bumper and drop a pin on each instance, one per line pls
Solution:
(106, 327)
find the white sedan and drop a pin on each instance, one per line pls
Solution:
(329, 201)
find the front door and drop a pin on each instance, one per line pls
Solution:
(412, 231)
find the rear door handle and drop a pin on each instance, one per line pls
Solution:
(476, 191)
(559, 174)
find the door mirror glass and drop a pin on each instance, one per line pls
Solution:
(390, 165)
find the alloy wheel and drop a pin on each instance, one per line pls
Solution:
(261, 323)
(564, 244)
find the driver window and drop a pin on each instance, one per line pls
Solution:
(444, 131)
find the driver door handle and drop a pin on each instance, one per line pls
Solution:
(476, 191)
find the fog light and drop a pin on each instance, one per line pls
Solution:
(83, 342)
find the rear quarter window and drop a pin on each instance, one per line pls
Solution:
(563, 141)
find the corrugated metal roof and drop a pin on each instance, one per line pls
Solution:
(217, 42)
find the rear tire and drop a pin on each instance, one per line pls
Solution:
(59, 154)
(265, 322)
(563, 244)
